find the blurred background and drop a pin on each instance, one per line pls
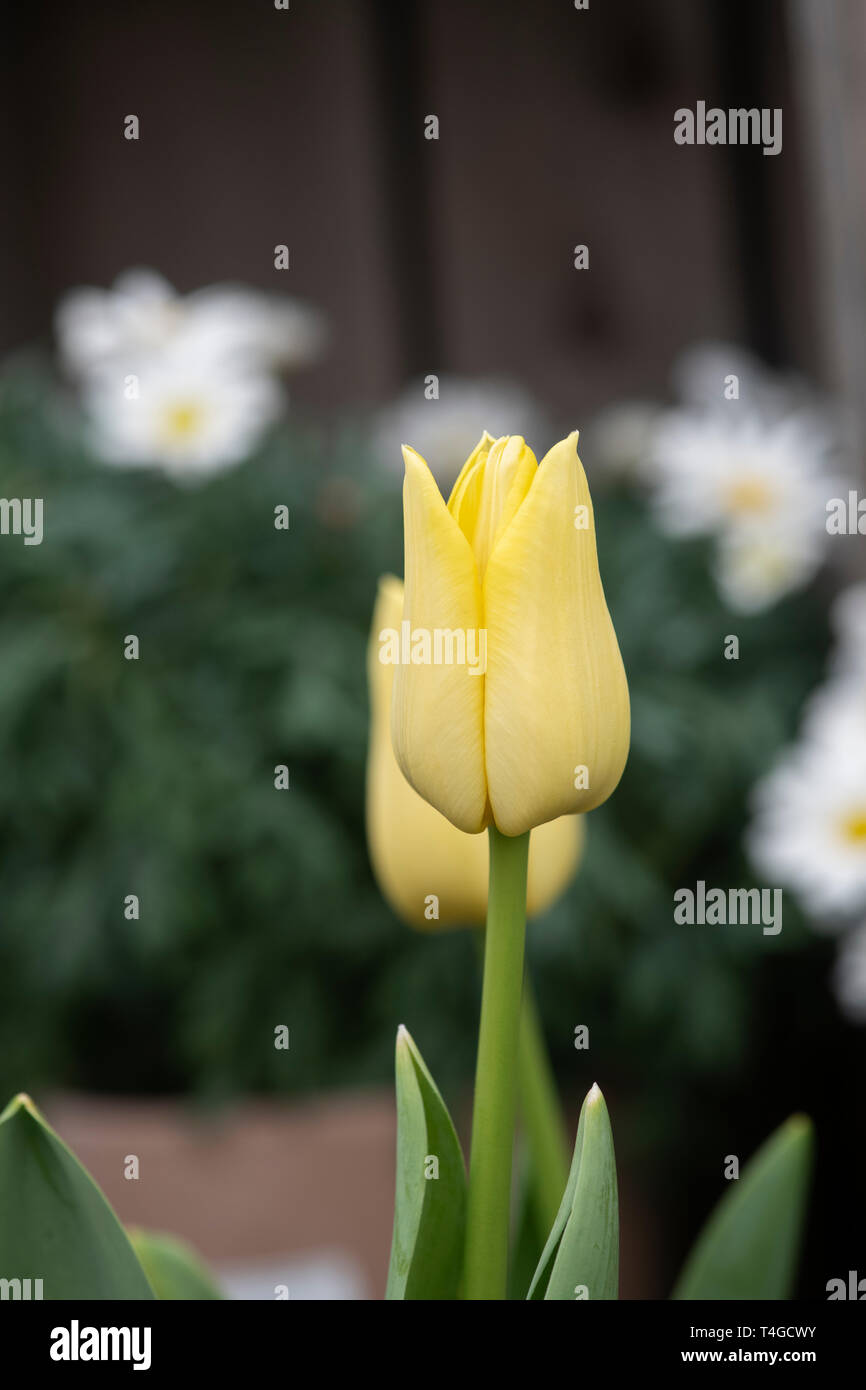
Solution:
(386, 286)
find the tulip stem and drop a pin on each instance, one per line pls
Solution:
(495, 1103)
(541, 1117)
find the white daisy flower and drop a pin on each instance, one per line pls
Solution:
(189, 417)
(849, 974)
(759, 483)
(446, 430)
(741, 471)
(809, 828)
(142, 316)
(94, 326)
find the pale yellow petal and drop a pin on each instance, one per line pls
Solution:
(489, 493)
(556, 698)
(438, 707)
(432, 874)
(473, 464)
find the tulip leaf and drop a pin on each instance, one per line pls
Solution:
(548, 1255)
(173, 1268)
(430, 1200)
(581, 1257)
(749, 1245)
(55, 1224)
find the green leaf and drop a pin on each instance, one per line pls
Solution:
(55, 1224)
(748, 1247)
(173, 1268)
(538, 1287)
(581, 1257)
(429, 1211)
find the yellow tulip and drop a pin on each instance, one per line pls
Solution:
(416, 853)
(510, 562)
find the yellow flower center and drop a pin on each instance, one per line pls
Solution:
(748, 496)
(854, 827)
(182, 420)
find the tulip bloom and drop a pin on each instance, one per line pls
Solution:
(417, 854)
(415, 851)
(544, 731)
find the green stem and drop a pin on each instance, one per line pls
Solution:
(541, 1116)
(495, 1104)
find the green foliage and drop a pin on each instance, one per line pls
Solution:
(429, 1207)
(55, 1224)
(173, 1268)
(581, 1257)
(749, 1246)
(156, 778)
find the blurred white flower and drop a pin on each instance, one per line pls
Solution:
(620, 436)
(809, 827)
(142, 316)
(702, 374)
(446, 430)
(759, 483)
(755, 567)
(94, 326)
(190, 417)
(738, 471)
(182, 382)
(849, 974)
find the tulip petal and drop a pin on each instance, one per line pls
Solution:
(556, 697)
(487, 497)
(437, 710)
(415, 852)
(472, 465)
